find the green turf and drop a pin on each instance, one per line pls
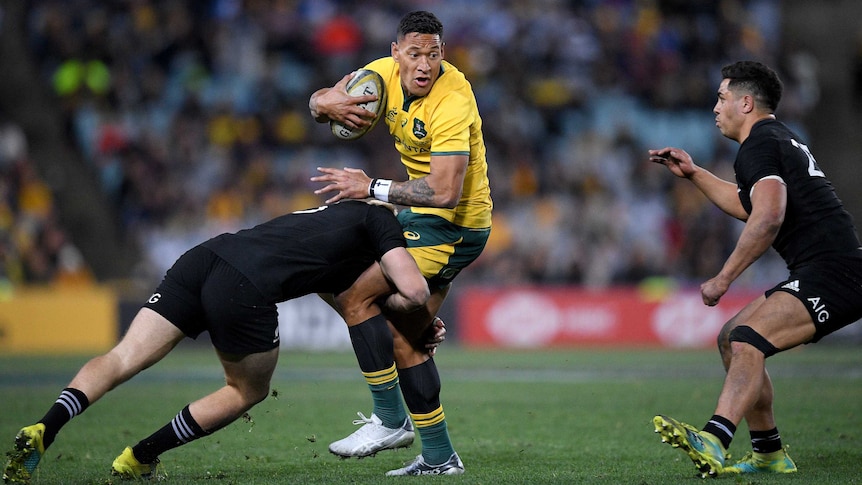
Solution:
(567, 416)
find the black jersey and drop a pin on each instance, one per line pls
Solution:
(815, 222)
(322, 250)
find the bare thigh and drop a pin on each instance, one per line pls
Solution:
(149, 338)
(781, 319)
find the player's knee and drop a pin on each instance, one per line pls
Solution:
(255, 394)
(408, 355)
(722, 341)
(746, 334)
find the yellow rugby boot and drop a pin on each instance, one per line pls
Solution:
(703, 448)
(25, 455)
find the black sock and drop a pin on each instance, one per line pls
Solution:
(722, 429)
(69, 404)
(372, 344)
(420, 386)
(765, 441)
(181, 430)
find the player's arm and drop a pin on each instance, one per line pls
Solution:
(440, 188)
(769, 203)
(396, 279)
(411, 289)
(335, 104)
(720, 192)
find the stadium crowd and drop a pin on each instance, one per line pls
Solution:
(34, 246)
(193, 114)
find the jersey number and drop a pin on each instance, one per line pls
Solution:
(813, 169)
(311, 211)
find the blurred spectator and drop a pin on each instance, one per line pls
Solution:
(34, 249)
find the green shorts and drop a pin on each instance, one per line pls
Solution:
(441, 249)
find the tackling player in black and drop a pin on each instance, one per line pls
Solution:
(786, 202)
(229, 286)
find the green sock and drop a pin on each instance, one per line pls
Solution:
(436, 445)
(386, 396)
(421, 387)
(372, 344)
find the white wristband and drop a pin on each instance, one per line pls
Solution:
(379, 189)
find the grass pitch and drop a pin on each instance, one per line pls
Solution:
(549, 417)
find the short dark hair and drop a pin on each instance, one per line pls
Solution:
(420, 22)
(756, 78)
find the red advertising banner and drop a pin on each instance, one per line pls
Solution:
(535, 317)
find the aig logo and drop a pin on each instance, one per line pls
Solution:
(819, 309)
(156, 297)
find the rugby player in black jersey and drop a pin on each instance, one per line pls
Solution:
(229, 286)
(786, 201)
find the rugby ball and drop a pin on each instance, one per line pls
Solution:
(363, 82)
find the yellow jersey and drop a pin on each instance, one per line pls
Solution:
(444, 122)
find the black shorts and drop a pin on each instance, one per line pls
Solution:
(831, 290)
(203, 292)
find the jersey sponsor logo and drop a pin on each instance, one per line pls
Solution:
(419, 129)
(413, 236)
(408, 147)
(793, 286)
(154, 298)
(820, 311)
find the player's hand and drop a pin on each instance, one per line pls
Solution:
(675, 159)
(349, 183)
(337, 105)
(712, 290)
(436, 335)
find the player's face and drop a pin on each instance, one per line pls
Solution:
(728, 117)
(419, 57)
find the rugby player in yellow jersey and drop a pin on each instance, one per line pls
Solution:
(433, 117)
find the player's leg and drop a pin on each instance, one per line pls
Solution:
(388, 427)
(442, 251)
(767, 450)
(763, 328)
(247, 381)
(420, 384)
(704, 447)
(761, 415)
(375, 345)
(813, 302)
(149, 338)
(780, 323)
(243, 327)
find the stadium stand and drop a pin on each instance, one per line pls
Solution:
(191, 119)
